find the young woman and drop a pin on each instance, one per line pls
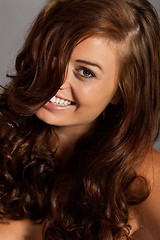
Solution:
(78, 121)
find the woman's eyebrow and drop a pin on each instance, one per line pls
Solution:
(89, 63)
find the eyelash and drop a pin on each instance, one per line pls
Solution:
(90, 73)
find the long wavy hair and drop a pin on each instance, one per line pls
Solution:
(89, 198)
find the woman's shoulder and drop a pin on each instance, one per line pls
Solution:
(147, 213)
(20, 230)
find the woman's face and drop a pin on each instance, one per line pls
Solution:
(90, 84)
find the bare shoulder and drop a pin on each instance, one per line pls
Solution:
(20, 230)
(148, 212)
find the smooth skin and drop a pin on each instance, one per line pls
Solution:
(91, 82)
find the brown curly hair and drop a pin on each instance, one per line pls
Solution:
(88, 198)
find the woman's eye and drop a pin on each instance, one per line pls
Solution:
(86, 73)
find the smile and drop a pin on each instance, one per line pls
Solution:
(61, 102)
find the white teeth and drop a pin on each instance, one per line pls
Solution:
(65, 102)
(59, 101)
(62, 101)
(53, 99)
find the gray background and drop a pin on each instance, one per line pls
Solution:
(16, 17)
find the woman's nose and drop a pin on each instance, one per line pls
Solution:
(67, 82)
(65, 85)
